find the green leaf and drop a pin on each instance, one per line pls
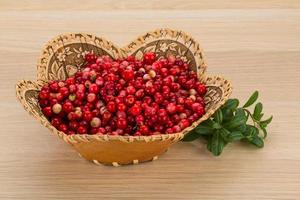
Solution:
(231, 104)
(257, 141)
(216, 144)
(216, 125)
(218, 116)
(257, 111)
(260, 116)
(251, 131)
(203, 130)
(191, 136)
(235, 136)
(227, 115)
(265, 132)
(264, 123)
(224, 133)
(238, 119)
(241, 128)
(251, 100)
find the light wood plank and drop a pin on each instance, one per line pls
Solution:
(254, 48)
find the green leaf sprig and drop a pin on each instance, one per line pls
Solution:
(231, 123)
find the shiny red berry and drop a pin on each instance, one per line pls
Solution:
(135, 110)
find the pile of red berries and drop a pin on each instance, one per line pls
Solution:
(125, 97)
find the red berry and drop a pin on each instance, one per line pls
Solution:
(139, 119)
(144, 129)
(106, 116)
(99, 81)
(67, 107)
(44, 102)
(169, 130)
(139, 94)
(135, 110)
(149, 57)
(128, 74)
(130, 100)
(54, 87)
(63, 128)
(121, 123)
(81, 130)
(93, 88)
(184, 123)
(72, 116)
(171, 108)
(198, 108)
(87, 116)
(44, 94)
(130, 90)
(80, 95)
(201, 89)
(111, 106)
(91, 97)
(64, 91)
(56, 122)
(176, 129)
(122, 107)
(73, 125)
(59, 96)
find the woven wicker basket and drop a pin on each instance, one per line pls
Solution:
(63, 56)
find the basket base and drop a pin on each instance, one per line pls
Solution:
(118, 153)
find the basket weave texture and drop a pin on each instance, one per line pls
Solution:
(64, 56)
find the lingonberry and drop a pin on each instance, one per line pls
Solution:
(87, 116)
(135, 110)
(63, 127)
(56, 121)
(93, 88)
(106, 116)
(149, 57)
(67, 107)
(122, 107)
(121, 123)
(121, 114)
(111, 106)
(130, 90)
(91, 97)
(144, 129)
(129, 100)
(44, 94)
(95, 122)
(59, 96)
(72, 116)
(128, 74)
(82, 130)
(56, 108)
(139, 119)
(171, 108)
(54, 87)
(139, 94)
(64, 91)
(44, 102)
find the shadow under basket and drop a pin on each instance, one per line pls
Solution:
(64, 56)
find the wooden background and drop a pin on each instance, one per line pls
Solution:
(255, 44)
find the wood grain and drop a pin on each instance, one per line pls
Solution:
(256, 45)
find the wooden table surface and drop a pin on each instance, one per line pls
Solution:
(256, 45)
